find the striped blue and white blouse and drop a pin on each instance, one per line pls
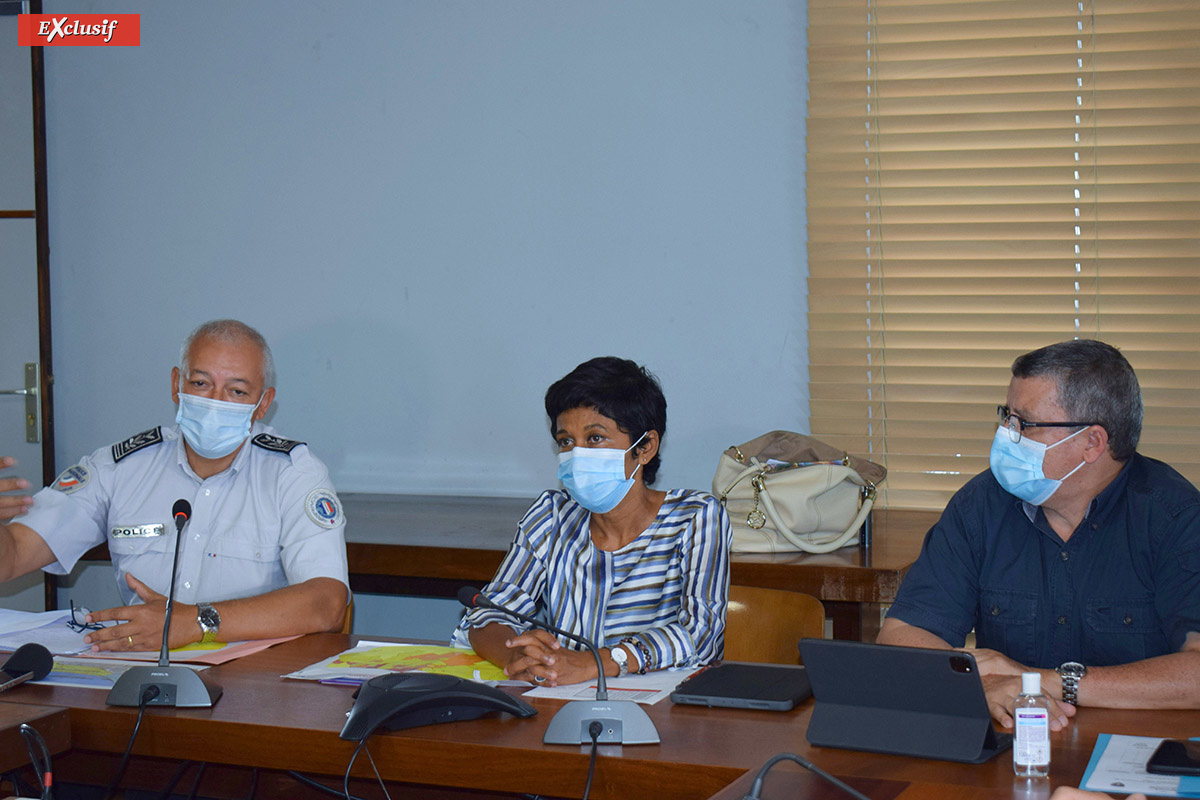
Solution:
(667, 589)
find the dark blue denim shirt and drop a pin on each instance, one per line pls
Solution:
(1124, 587)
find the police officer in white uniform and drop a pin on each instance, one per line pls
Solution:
(264, 551)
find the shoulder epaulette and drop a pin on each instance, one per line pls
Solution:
(280, 445)
(136, 442)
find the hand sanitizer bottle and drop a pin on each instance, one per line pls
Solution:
(1031, 742)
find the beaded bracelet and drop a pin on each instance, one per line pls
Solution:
(635, 666)
(645, 657)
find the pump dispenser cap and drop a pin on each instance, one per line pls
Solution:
(1031, 682)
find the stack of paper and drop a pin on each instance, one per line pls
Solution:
(49, 629)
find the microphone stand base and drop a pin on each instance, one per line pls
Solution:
(181, 687)
(624, 721)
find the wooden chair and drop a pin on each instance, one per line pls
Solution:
(348, 620)
(765, 625)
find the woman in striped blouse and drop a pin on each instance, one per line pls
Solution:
(642, 573)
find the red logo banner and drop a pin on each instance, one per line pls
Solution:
(75, 30)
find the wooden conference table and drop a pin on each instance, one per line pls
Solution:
(264, 721)
(432, 545)
(49, 721)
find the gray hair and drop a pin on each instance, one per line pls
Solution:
(230, 331)
(1095, 384)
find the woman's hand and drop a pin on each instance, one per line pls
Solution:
(531, 656)
(538, 657)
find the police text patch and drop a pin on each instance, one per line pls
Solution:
(136, 442)
(323, 508)
(137, 531)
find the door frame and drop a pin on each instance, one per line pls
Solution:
(37, 62)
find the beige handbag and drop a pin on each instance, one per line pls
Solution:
(786, 491)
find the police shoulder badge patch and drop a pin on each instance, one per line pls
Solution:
(323, 508)
(135, 443)
(72, 479)
(280, 445)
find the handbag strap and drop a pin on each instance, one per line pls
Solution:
(830, 544)
(754, 469)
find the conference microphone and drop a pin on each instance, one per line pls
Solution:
(29, 662)
(182, 687)
(182, 512)
(623, 721)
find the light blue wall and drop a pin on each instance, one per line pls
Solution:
(433, 210)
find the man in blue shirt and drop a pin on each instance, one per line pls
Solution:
(1073, 556)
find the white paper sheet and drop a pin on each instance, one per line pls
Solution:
(648, 689)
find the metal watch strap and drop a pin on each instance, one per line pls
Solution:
(209, 621)
(1070, 674)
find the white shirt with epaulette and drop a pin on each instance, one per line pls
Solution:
(270, 520)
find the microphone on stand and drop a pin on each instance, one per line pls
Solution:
(623, 721)
(181, 512)
(182, 687)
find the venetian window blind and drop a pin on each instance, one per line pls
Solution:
(985, 178)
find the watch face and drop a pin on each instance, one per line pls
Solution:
(209, 618)
(1072, 669)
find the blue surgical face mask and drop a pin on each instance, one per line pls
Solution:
(595, 476)
(214, 428)
(1019, 467)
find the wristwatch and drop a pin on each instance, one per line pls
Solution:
(1071, 674)
(209, 620)
(619, 655)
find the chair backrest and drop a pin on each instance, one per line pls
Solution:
(348, 620)
(766, 625)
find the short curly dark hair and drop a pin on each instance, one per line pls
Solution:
(619, 389)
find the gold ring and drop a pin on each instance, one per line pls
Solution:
(130, 638)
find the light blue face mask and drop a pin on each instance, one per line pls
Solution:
(1019, 466)
(214, 428)
(595, 476)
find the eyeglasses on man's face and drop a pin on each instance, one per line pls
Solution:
(1016, 426)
